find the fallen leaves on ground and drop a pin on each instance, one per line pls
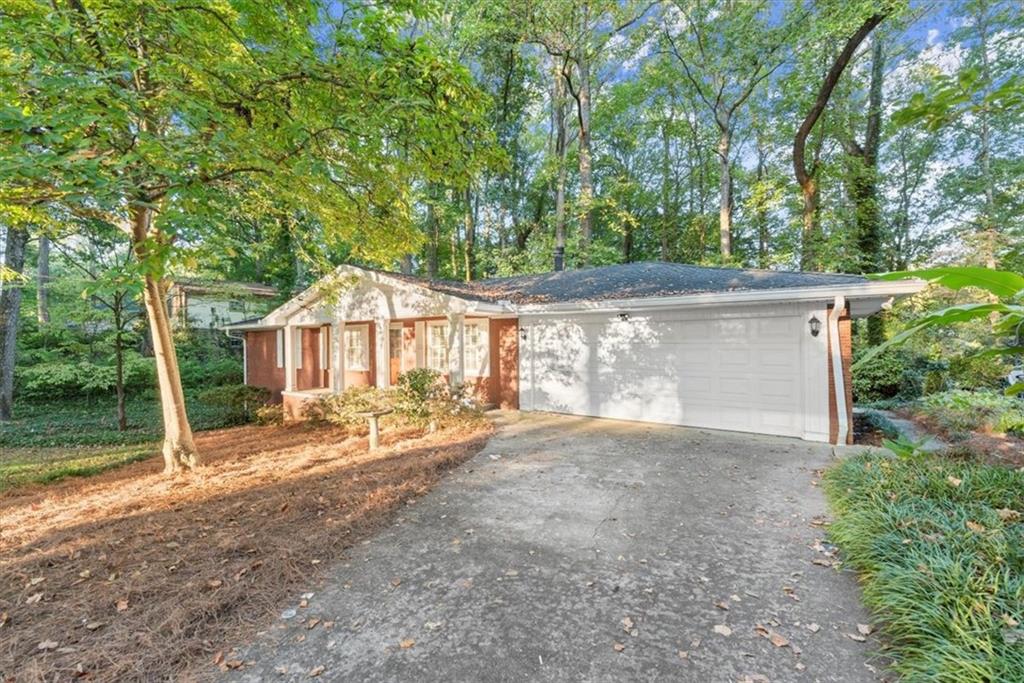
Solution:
(406, 643)
(174, 569)
(723, 630)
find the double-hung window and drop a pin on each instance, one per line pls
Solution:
(477, 346)
(357, 347)
(437, 346)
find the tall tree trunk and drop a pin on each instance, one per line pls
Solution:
(761, 212)
(179, 449)
(405, 264)
(122, 416)
(433, 238)
(10, 310)
(805, 177)
(667, 217)
(809, 217)
(864, 186)
(561, 140)
(586, 163)
(724, 189)
(469, 245)
(43, 281)
(989, 234)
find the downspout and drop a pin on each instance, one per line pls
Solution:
(838, 377)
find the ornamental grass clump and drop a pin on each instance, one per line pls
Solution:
(940, 548)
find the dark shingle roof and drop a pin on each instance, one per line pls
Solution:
(628, 281)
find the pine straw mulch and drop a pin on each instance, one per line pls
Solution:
(131, 575)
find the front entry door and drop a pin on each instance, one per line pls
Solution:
(395, 353)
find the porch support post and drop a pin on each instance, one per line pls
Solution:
(456, 348)
(337, 357)
(382, 334)
(289, 358)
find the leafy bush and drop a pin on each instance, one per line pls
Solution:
(343, 409)
(978, 372)
(894, 374)
(270, 414)
(940, 546)
(424, 397)
(960, 411)
(199, 374)
(52, 380)
(238, 403)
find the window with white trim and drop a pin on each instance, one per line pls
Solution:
(477, 349)
(357, 347)
(280, 348)
(437, 346)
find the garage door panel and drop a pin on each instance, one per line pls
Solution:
(726, 373)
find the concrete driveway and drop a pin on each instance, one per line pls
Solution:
(576, 549)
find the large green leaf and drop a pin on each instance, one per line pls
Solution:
(947, 316)
(1002, 283)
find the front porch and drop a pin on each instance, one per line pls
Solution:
(321, 359)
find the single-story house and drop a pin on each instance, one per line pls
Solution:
(746, 350)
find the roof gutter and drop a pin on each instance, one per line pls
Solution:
(862, 290)
(838, 376)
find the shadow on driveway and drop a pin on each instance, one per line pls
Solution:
(591, 550)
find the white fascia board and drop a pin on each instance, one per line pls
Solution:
(250, 327)
(873, 289)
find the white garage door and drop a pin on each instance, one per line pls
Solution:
(737, 373)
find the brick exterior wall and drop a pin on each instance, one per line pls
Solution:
(504, 380)
(261, 362)
(846, 350)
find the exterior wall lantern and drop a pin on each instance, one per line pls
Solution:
(523, 333)
(815, 325)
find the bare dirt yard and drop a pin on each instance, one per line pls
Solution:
(130, 575)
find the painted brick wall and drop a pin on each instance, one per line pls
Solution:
(504, 380)
(261, 361)
(846, 348)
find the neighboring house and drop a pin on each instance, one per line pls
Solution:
(744, 350)
(208, 305)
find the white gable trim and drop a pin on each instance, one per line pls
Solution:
(307, 300)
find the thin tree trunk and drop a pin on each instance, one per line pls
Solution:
(586, 163)
(179, 449)
(43, 281)
(667, 219)
(560, 153)
(433, 238)
(469, 245)
(122, 417)
(989, 235)
(761, 212)
(724, 190)
(10, 310)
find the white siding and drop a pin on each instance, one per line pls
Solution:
(739, 369)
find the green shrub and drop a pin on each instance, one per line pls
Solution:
(424, 397)
(978, 372)
(197, 374)
(237, 403)
(53, 380)
(959, 412)
(343, 409)
(270, 414)
(940, 547)
(895, 374)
